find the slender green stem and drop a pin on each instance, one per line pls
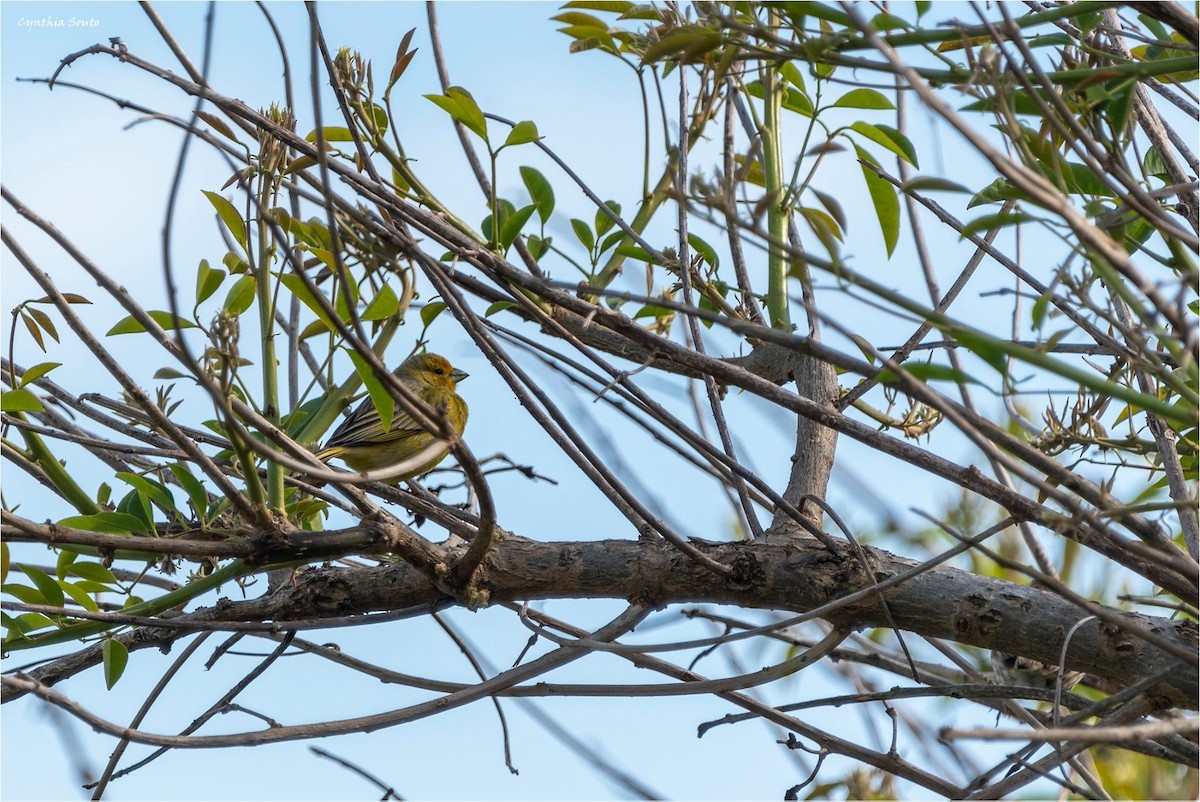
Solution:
(57, 473)
(266, 321)
(772, 151)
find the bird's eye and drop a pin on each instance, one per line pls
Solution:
(439, 371)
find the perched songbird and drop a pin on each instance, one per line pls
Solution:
(1011, 669)
(361, 441)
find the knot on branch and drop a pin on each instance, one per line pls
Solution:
(747, 572)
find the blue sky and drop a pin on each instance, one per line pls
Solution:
(72, 158)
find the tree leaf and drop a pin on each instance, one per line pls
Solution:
(540, 192)
(380, 397)
(332, 133)
(522, 133)
(403, 57)
(863, 98)
(931, 183)
(430, 311)
(240, 296)
(20, 400)
(299, 289)
(44, 321)
(46, 584)
(998, 220)
(208, 279)
(929, 371)
(890, 138)
(196, 493)
(80, 595)
(583, 233)
(165, 320)
(459, 104)
(34, 331)
(885, 200)
(230, 216)
(704, 249)
(218, 124)
(93, 572)
(36, 372)
(513, 223)
(499, 306)
(116, 657)
(385, 304)
(603, 221)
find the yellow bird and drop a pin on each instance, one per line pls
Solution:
(361, 441)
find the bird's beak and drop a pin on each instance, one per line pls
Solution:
(458, 375)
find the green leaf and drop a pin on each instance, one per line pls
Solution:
(20, 400)
(65, 558)
(834, 207)
(998, 220)
(333, 133)
(615, 6)
(793, 99)
(583, 233)
(603, 221)
(928, 371)
(824, 226)
(93, 572)
(24, 593)
(34, 331)
(165, 321)
(983, 348)
(704, 249)
(430, 311)
(654, 311)
(995, 192)
(107, 522)
(459, 104)
(513, 223)
(384, 403)
(499, 306)
(240, 296)
(1040, 307)
(885, 200)
(152, 489)
(791, 73)
(196, 494)
(298, 288)
(540, 192)
(611, 240)
(538, 247)
(5, 562)
(384, 305)
(930, 183)
(44, 321)
(51, 592)
(80, 596)
(208, 280)
(863, 99)
(31, 622)
(230, 216)
(685, 43)
(636, 252)
(116, 657)
(890, 138)
(522, 133)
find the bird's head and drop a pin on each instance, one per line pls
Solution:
(431, 370)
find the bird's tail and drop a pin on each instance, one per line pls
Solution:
(330, 453)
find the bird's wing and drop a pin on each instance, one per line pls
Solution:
(363, 427)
